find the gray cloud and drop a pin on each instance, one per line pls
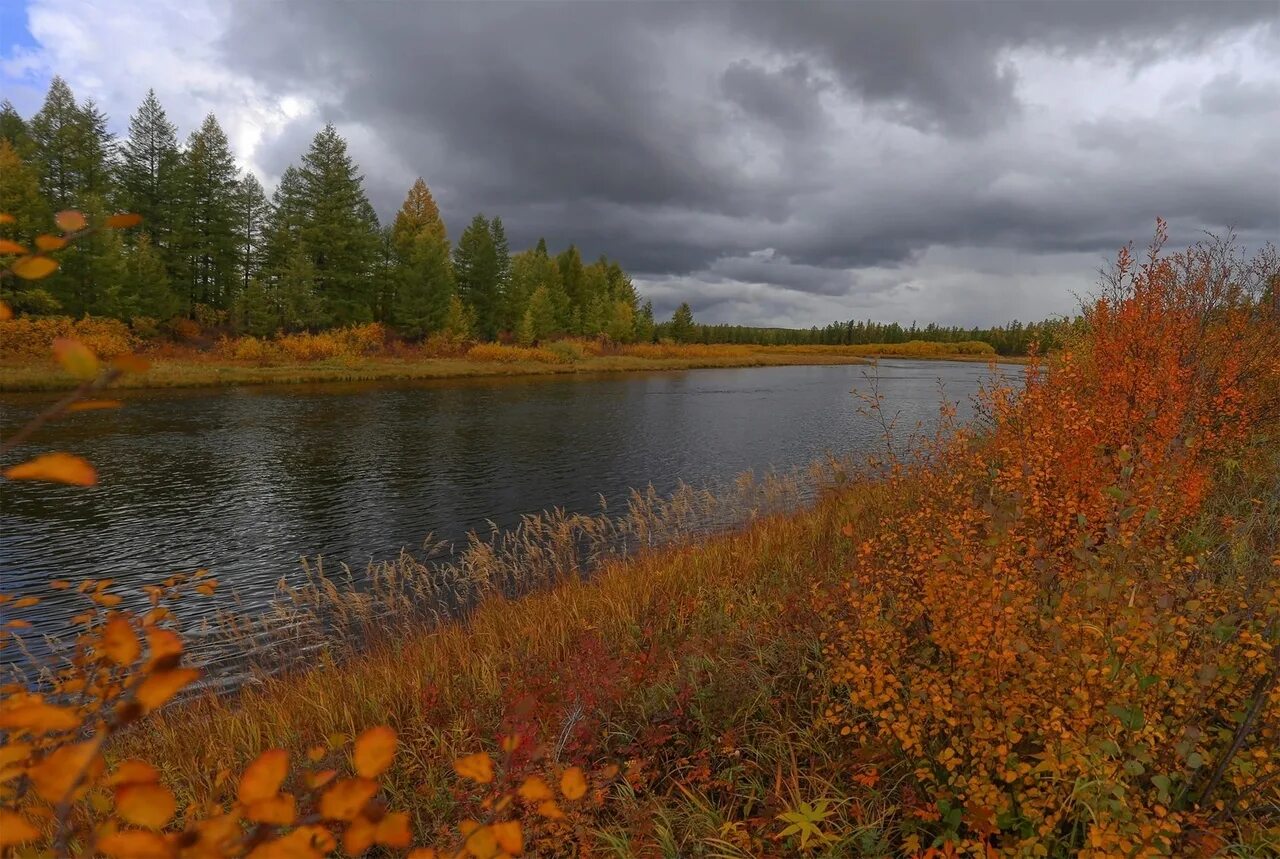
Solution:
(851, 140)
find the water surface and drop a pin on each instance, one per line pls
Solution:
(247, 480)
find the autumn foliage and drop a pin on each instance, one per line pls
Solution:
(1041, 637)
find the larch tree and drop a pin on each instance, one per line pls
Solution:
(422, 277)
(339, 232)
(252, 214)
(149, 175)
(207, 220)
(476, 273)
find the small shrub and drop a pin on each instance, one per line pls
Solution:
(494, 353)
(568, 350)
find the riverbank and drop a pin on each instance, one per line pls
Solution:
(166, 372)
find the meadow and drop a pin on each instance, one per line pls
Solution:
(1053, 631)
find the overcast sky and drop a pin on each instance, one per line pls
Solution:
(772, 163)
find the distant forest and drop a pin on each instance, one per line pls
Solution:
(215, 248)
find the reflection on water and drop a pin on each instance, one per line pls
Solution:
(245, 481)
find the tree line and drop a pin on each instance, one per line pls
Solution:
(214, 247)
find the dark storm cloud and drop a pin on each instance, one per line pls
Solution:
(685, 139)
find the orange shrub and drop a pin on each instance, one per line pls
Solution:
(33, 336)
(685, 350)
(495, 352)
(1037, 638)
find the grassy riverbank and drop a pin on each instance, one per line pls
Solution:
(194, 371)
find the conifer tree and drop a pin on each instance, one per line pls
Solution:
(284, 228)
(339, 231)
(645, 326)
(476, 271)
(571, 278)
(424, 286)
(207, 223)
(20, 196)
(149, 180)
(13, 128)
(682, 323)
(55, 131)
(148, 279)
(540, 317)
(252, 213)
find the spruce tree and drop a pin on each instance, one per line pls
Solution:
(56, 130)
(207, 221)
(541, 314)
(682, 323)
(149, 178)
(252, 213)
(340, 231)
(571, 278)
(284, 228)
(96, 153)
(645, 326)
(13, 128)
(148, 279)
(476, 272)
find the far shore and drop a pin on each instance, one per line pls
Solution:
(200, 373)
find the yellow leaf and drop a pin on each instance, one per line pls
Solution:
(55, 468)
(374, 750)
(15, 829)
(145, 804)
(509, 837)
(94, 405)
(163, 685)
(119, 641)
(347, 798)
(534, 789)
(263, 777)
(64, 769)
(122, 221)
(131, 363)
(8, 248)
(135, 844)
(75, 358)
(50, 243)
(69, 221)
(573, 784)
(33, 267)
(279, 810)
(477, 767)
(393, 830)
(37, 717)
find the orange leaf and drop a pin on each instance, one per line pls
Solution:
(164, 644)
(393, 830)
(319, 779)
(550, 810)
(8, 247)
(374, 750)
(64, 769)
(50, 243)
(119, 641)
(509, 837)
(33, 267)
(94, 405)
(482, 843)
(15, 829)
(6, 218)
(131, 363)
(163, 685)
(359, 836)
(55, 468)
(69, 221)
(75, 358)
(346, 798)
(534, 789)
(477, 767)
(59, 584)
(6, 312)
(573, 784)
(263, 777)
(423, 853)
(122, 221)
(134, 772)
(37, 717)
(25, 602)
(135, 844)
(279, 810)
(145, 804)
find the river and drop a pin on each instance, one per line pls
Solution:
(245, 481)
